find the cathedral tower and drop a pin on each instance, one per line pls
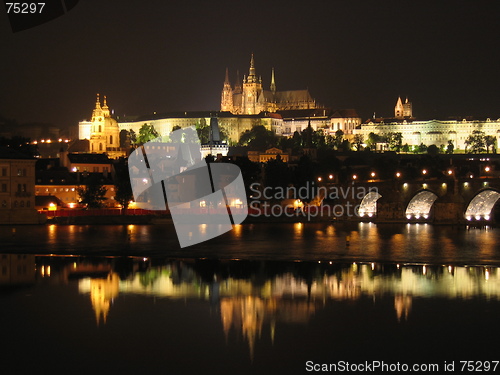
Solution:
(252, 90)
(398, 109)
(401, 110)
(226, 103)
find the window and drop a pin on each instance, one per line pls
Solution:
(28, 204)
(22, 204)
(96, 169)
(4, 172)
(4, 204)
(15, 204)
(111, 139)
(4, 188)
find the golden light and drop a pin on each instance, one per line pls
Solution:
(372, 174)
(450, 172)
(424, 171)
(319, 179)
(354, 177)
(330, 176)
(52, 206)
(487, 169)
(398, 174)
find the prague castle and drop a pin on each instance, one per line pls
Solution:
(428, 132)
(251, 99)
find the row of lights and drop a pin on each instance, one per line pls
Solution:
(398, 174)
(50, 141)
(478, 217)
(417, 216)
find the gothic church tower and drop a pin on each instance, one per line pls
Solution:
(252, 100)
(226, 103)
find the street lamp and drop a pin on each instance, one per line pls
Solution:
(398, 174)
(319, 179)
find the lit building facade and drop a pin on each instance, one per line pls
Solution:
(17, 187)
(249, 97)
(428, 132)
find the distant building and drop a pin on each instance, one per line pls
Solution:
(272, 153)
(402, 111)
(102, 131)
(249, 97)
(428, 132)
(17, 187)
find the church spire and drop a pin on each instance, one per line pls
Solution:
(273, 84)
(251, 73)
(98, 102)
(226, 80)
(105, 108)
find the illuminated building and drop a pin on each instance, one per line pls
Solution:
(102, 131)
(17, 187)
(428, 132)
(249, 98)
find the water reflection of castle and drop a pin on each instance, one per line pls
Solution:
(252, 310)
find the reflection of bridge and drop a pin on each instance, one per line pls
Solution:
(447, 200)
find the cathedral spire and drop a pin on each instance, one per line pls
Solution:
(273, 84)
(251, 73)
(226, 80)
(237, 85)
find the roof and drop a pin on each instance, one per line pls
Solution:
(46, 200)
(80, 145)
(89, 159)
(345, 113)
(56, 176)
(293, 96)
(305, 113)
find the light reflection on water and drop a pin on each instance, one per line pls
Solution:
(254, 307)
(273, 241)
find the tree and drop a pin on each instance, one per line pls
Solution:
(433, 150)
(93, 194)
(258, 138)
(420, 149)
(406, 148)
(147, 133)
(338, 139)
(372, 141)
(395, 141)
(450, 148)
(490, 140)
(475, 143)
(358, 141)
(123, 189)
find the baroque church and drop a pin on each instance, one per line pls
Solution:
(249, 98)
(102, 131)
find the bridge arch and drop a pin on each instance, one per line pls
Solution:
(368, 205)
(482, 204)
(420, 205)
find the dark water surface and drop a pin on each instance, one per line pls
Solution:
(127, 299)
(300, 241)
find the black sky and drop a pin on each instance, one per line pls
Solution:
(160, 55)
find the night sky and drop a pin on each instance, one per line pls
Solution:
(161, 55)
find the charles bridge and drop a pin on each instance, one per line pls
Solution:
(447, 200)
